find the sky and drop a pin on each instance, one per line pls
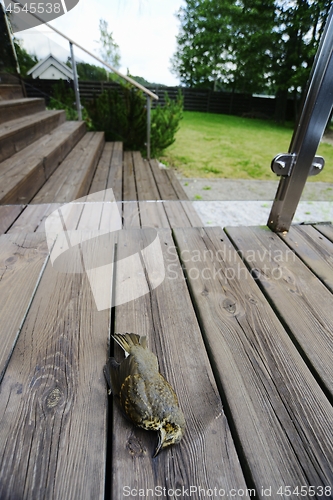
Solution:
(145, 31)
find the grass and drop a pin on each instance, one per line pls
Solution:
(222, 146)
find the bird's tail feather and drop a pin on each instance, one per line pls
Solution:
(127, 340)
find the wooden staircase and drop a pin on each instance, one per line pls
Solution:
(46, 160)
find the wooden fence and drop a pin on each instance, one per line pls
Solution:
(239, 104)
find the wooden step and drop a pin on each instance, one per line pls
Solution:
(72, 179)
(17, 108)
(32, 218)
(10, 91)
(109, 171)
(8, 215)
(23, 174)
(18, 134)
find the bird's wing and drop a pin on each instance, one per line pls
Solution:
(134, 401)
(127, 367)
(111, 372)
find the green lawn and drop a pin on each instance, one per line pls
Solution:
(222, 146)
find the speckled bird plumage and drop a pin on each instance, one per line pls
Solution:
(143, 394)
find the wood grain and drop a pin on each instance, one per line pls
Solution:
(163, 183)
(131, 214)
(22, 257)
(314, 250)
(100, 179)
(145, 182)
(298, 297)
(17, 134)
(191, 213)
(23, 174)
(13, 109)
(32, 218)
(281, 418)
(152, 214)
(181, 195)
(129, 187)
(53, 396)
(8, 214)
(73, 177)
(206, 455)
(176, 214)
(325, 229)
(115, 179)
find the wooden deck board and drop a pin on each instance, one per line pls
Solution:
(22, 258)
(115, 179)
(326, 230)
(299, 298)
(145, 182)
(191, 213)
(73, 177)
(314, 250)
(167, 318)
(176, 184)
(163, 183)
(53, 396)
(176, 214)
(131, 214)
(282, 420)
(32, 218)
(129, 191)
(100, 179)
(152, 214)
(8, 215)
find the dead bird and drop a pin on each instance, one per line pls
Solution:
(142, 393)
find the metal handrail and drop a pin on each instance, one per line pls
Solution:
(301, 161)
(150, 95)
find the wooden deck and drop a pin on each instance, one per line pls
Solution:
(147, 194)
(240, 318)
(242, 326)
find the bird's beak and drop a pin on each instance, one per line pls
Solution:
(161, 438)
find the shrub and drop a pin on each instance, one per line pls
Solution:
(64, 98)
(121, 113)
(165, 123)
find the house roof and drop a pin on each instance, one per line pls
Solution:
(50, 60)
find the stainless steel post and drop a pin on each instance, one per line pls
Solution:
(148, 125)
(308, 132)
(76, 84)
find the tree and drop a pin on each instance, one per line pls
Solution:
(203, 55)
(26, 61)
(299, 26)
(253, 23)
(249, 45)
(110, 50)
(7, 57)
(90, 72)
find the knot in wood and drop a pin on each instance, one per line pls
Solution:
(251, 299)
(53, 398)
(230, 306)
(135, 447)
(11, 260)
